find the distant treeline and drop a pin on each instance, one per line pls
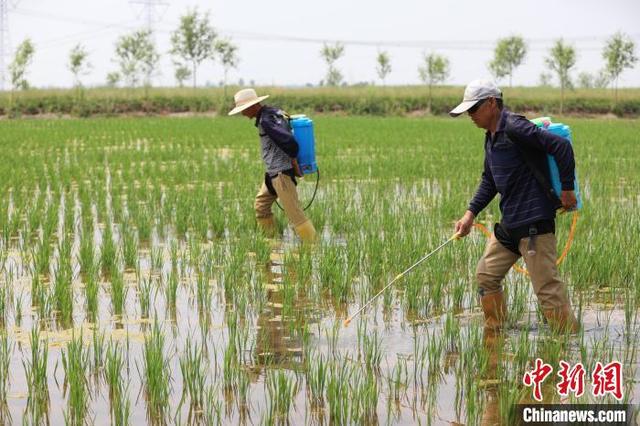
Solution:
(365, 100)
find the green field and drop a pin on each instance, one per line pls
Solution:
(353, 100)
(135, 287)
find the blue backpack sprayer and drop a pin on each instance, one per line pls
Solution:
(302, 129)
(554, 175)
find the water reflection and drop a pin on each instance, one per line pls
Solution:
(493, 342)
(278, 340)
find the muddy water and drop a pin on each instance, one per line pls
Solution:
(272, 345)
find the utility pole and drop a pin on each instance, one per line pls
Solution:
(151, 18)
(4, 41)
(150, 11)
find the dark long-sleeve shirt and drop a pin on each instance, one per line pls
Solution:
(274, 124)
(523, 200)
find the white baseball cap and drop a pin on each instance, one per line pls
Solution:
(476, 91)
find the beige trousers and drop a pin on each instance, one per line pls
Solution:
(288, 196)
(497, 260)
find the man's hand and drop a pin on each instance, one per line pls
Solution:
(568, 200)
(463, 226)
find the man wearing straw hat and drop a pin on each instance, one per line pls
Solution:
(515, 160)
(279, 152)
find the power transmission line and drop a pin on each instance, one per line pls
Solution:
(151, 21)
(81, 36)
(58, 18)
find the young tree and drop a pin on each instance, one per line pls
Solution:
(602, 79)
(507, 56)
(182, 74)
(585, 80)
(435, 70)
(619, 53)
(21, 61)
(113, 78)
(561, 59)
(78, 64)
(331, 54)
(194, 40)
(383, 67)
(228, 54)
(544, 80)
(597, 80)
(137, 57)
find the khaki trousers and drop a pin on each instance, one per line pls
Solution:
(288, 196)
(497, 260)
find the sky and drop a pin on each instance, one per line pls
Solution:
(279, 42)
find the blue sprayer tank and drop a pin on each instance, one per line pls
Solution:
(564, 131)
(302, 127)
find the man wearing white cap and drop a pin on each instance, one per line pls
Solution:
(279, 152)
(515, 166)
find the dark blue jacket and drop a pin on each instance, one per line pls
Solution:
(523, 200)
(276, 126)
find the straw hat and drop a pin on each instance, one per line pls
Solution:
(244, 99)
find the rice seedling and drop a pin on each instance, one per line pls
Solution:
(156, 257)
(92, 287)
(6, 350)
(63, 294)
(4, 254)
(145, 286)
(243, 388)
(144, 224)
(97, 357)
(171, 291)
(155, 374)
(17, 308)
(338, 391)
(204, 292)
(229, 370)
(108, 250)
(370, 347)
(76, 361)
(41, 254)
(35, 368)
(281, 389)
(43, 300)
(120, 405)
(87, 255)
(316, 380)
(129, 246)
(118, 291)
(397, 380)
(174, 255)
(194, 377)
(3, 306)
(212, 414)
(364, 399)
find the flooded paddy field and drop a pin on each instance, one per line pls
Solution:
(136, 289)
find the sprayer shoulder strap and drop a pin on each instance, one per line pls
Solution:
(286, 116)
(537, 163)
